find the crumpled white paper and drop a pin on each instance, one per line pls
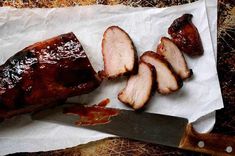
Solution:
(22, 27)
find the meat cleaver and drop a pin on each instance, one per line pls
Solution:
(152, 128)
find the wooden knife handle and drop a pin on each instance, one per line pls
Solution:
(215, 144)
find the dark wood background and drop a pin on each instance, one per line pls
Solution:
(225, 118)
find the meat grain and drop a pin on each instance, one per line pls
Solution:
(119, 54)
(167, 80)
(139, 87)
(174, 56)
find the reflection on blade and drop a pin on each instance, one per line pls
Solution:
(153, 128)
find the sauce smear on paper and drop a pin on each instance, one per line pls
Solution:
(92, 115)
(104, 103)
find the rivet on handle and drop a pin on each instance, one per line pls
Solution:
(229, 149)
(201, 144)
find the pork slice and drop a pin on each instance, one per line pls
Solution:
(167, 80)
(175, 57)
(119, 54)
(139, 87)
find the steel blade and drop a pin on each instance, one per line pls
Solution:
(148, 127)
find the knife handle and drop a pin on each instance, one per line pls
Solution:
(215, 144)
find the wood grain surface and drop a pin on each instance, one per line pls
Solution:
(225, 118)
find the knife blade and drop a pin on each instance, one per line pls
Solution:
(153, 128)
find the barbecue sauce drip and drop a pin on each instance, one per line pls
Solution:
(92, 115)
(103, 103)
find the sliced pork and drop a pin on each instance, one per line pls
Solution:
(175, 57)
(139, 87)
(167, 80)
(185, 35)
(119, 54)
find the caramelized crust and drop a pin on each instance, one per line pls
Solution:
(44, 74)
(185, 35)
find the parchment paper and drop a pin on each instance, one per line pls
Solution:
(20, 28)
(211, 6)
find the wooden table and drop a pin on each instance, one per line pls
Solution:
(225, 118)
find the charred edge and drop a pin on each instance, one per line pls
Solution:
(124, 102)
(66, 36)
(154, 82)
(127, 73)
(176, 76)
(190, 74)
(104, 74)
(101, 75)
(135, 67)
(179, 23)
(155, 55)
(98, 78)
